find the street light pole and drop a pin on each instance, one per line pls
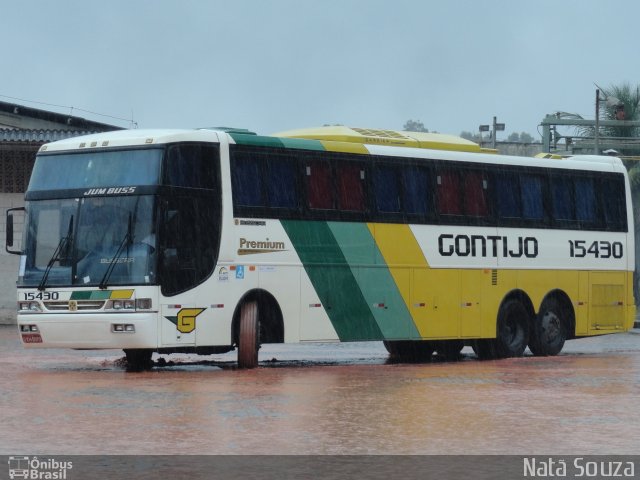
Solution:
(596, 136)
(496, 126)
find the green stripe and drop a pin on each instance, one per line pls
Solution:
(259, 140)
(276, 142)
(333, 280)
(91, 295)
(302, 144)
(376, 282)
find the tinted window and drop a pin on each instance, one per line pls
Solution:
(190, 241)
(475, 202)
(416, 190)
(319, 185)
(585, 200)
(561, 198)
(350, 180)
(246, 180)
(192, 166)
(508, 195)
(387, 188)
(532, 202)
(106, 168)
(282, 189)
(449, 198)
(613, 203)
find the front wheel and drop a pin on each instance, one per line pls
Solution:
(248, 338)
(549, 329)
(138, 359)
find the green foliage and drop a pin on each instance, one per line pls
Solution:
(474, 137)
(522, 137)
(415, 126)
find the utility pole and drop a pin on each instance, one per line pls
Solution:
(496, 127)
(596, 136)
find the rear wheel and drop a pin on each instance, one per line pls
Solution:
(449, 349)
(512, 333)
(513, 329)
(550, 329)
(248, 338)
(138, 359)
(409, 350)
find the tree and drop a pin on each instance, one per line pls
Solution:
(473, 137)
(414, 126)
(522, 137)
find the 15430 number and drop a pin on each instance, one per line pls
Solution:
(597, 249)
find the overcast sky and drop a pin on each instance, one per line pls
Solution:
(273, 65)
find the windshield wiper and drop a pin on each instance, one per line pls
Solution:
(128, 239)
(62, 245)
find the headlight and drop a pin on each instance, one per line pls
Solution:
(29, 307)
(129, 305)
(144, 304)
(120, 305)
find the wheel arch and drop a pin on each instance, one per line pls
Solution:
(269, 313)
(565, 302)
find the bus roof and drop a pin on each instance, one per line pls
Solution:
(338, 139)
(369, 136)
(125, 138)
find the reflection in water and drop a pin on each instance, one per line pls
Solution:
(84, 402)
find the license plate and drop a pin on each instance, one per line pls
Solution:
(31, 338)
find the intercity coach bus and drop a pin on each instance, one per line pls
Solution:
(205, 241)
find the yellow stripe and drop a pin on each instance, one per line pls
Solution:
(345, 147)
(121, 294)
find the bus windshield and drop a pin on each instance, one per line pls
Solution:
(96, 169)
(90, 241)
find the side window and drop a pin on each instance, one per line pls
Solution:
(462, 193)
(246, 181)
(350, 181)
(507, 189)
(449, 195)
(417, 190)
(532, 197)
(191, 238)
(612, 195)
(282, 190)
(585, 200)
(386, 188)
(474, 194)
(319, 185)
(192, 166)
(562, 199)
(264, 179)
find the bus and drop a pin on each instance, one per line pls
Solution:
(210, 240)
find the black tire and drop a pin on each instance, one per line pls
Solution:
(409, 350)
(485, 349)
(512, 333)
(550, 329)
(513, 329)
(449, 349)
(138, 359)
(248, 336)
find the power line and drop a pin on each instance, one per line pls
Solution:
(71, 109)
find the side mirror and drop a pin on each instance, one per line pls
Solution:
(9, 230)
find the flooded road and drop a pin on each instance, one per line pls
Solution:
(322, 399)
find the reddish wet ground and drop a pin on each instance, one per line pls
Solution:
(322, 399)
